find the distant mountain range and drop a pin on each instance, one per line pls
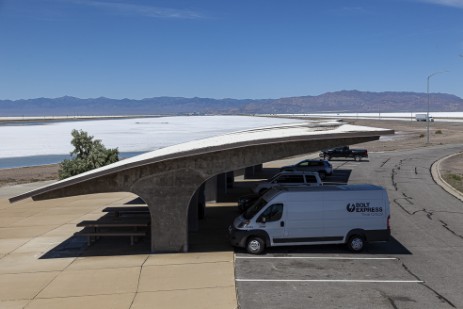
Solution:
(340, 101)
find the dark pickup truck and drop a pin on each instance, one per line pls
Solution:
(344, 152)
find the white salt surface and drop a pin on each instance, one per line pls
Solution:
(129, 135)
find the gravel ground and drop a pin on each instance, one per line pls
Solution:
(409, 134)
(12, 176)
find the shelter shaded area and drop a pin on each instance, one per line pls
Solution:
(172, 181)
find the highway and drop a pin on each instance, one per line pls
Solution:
(421, 267)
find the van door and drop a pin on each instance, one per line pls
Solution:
(304, 223)
(271, 220)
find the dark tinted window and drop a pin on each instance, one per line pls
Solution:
(290, 179)
(272, 213)
(254, 209)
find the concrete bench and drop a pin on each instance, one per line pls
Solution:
(126, 222)
(127, 210)
(92, 235)
(127, 227)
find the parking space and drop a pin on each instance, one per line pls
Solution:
(321, 269)
(327, 281)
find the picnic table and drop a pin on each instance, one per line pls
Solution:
(93, 229)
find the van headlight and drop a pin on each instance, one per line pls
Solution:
(243, 224)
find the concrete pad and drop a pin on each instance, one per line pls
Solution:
(24, 286)
(187, 276)
(14, 304)
(113, 301)
(7, 220)
(185, 280)
(25, 231)
(29, 263)
(44, 219)
(93, 282)
(189, 258)
(40, 245)
(106, 262)
(211, 298)
(65, 230)
(9, 245)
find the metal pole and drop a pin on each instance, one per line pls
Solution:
(427, 114)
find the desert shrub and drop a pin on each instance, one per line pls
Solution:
(438, 132)
(88, 154)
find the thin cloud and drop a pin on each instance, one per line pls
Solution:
(450, 3)
(139, 10)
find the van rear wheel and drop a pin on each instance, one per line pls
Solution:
(255, 245)
(356, 243)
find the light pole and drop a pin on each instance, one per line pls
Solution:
(427, 114)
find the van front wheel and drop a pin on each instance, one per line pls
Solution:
(255, 245)
(356, 243)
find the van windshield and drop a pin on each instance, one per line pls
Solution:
(254, 209)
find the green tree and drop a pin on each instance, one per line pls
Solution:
(88, 154)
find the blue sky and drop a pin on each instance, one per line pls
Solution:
(227, 49)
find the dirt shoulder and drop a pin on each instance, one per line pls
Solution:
(13, 176)
(412, 134)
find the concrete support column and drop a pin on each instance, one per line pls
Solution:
(169, 196)
(211, 189)
(202, 201)
(193, 221)
(197, 209)
(230, 179)
(251, 171)
(221, 186)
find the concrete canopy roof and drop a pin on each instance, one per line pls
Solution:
(305, 131)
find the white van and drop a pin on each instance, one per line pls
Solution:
(288, 216)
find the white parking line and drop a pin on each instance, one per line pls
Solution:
(316, 257)
(329, 280)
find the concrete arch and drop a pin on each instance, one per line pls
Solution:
(168, 179)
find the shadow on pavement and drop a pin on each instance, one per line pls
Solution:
(211, 236)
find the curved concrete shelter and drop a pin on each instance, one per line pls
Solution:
(168, 179)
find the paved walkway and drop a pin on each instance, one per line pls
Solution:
(41, 266)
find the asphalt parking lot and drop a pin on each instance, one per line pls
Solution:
(418, 268)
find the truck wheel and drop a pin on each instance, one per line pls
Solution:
(322, 175)
(356, 243)
(357, 158)
(255, 245)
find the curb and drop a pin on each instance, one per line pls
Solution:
(436, 175)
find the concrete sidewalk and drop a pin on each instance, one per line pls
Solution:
(43, 266)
